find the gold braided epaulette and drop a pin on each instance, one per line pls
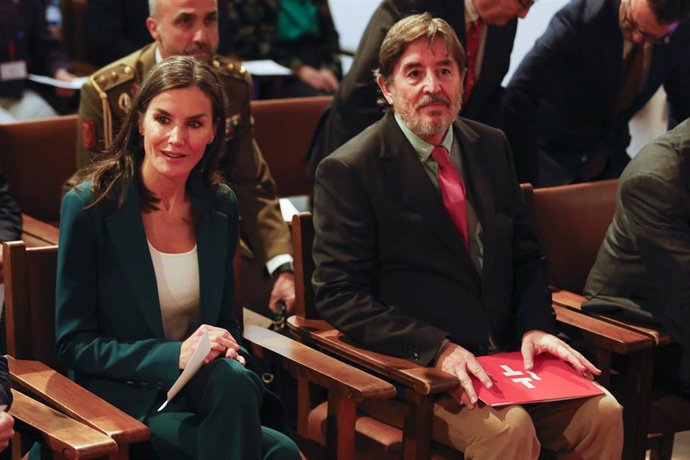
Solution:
(231, 67)
(113, 76)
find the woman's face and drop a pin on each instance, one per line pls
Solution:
(176, 127)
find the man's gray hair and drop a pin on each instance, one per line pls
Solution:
(153, 7)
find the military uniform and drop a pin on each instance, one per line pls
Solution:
(106, 98)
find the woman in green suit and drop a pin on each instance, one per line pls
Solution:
(145, 269)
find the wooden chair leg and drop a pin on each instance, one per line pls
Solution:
(340, 424)
(664, 448)
(636, 402)
(417, 426)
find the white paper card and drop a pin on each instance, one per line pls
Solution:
(287, 209)
(265, 68)
(14, 70)
(193, 366)
(77, 83)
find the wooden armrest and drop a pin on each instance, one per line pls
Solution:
(605, 334)
(66, 396)
(59, 432)
(574, 301)
(423, 380)
(316, 367)
(567, 299)
(38, 233)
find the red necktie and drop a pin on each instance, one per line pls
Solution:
(472, 32)
(453, 191)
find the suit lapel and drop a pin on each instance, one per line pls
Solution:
(610, 51)
(211, 240)
(497, 49)
(129, 241)
(406, 173)
(478, 183)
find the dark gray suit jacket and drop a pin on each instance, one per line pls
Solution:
(354, 106)
(562, 97)
(642, 271)
(391, 270)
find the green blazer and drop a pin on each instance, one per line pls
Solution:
(108, 321)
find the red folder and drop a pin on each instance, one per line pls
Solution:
(549, 380)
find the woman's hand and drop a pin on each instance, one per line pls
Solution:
(6, 429)
(222, 343)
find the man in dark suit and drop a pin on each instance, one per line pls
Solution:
(493, 24)
(423, 251)
(568, 105)
(642, 272)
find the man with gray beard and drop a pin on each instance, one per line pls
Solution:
(423, 251)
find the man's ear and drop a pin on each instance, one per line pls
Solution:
(385, 88)
(152, 26)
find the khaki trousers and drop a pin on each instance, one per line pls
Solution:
(586, 428)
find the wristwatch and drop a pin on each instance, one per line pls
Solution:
(282, 268)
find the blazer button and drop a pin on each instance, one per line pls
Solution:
(160, 386)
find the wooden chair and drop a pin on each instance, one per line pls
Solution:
(283, 128)
(30, 326)
(74, 35)
(30, 288)
(421, 384)
(571, 223)
(418, 385)
(37, 157)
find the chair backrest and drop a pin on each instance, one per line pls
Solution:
(302, 242)
(30, 275)
(74, 34)
(570, 222)
(37, 157)
(283, 128)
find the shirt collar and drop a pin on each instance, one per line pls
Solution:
(422, 147)
(471, 14)
(159, 56)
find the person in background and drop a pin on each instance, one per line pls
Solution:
(27, 46)
(145, 270)
(116, 28)
(423, 250)
(10, 224)
(642, 271)
(298, 34)
(10, 230)
(568, 105)
(486, 29)
(185, 27)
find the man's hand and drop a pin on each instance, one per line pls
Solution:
(320, 79)
(6, 429)
(457, 361)
(64, 75)
(222, 343)
(283, 289)
(536, 342)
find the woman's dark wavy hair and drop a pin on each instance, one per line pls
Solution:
(121, 166)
